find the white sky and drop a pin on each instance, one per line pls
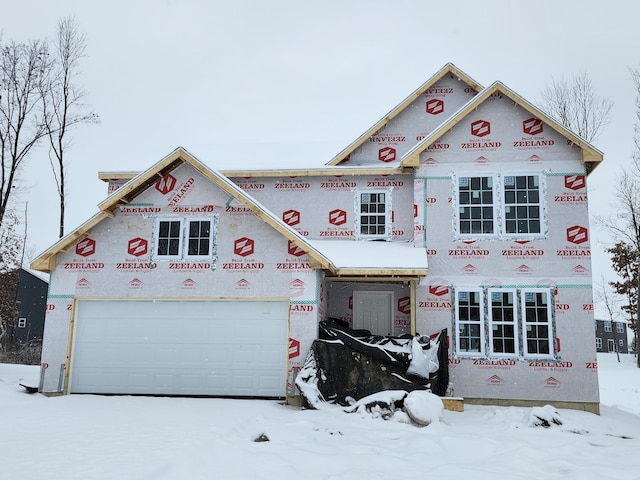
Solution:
(290, 83)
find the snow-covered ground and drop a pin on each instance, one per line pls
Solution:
(94, 437)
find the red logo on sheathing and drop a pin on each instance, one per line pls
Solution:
(294, 250)
(337, 217)
(575, 182)
(438, 290)
(137, 247)
(577, 234)
(350, 303)
(294, 348)
(166, 184)
(415, 210)
(480, 128)
(291, 217)
(404, 305)
(243, 246)
(435, 106)
(532, 126)
(387, 154)
(86, 247)
(551, 381)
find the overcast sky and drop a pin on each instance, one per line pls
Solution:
(290, 83)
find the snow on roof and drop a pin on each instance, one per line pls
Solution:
(363, 255)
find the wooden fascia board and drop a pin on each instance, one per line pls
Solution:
(373, 279)
(381, 272)
(449, 68)
(106, 176)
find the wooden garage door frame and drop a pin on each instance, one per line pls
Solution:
(68, 374)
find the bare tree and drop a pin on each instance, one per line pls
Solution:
(10, 255)
(62, 102)
(22, 66)
(575, 104)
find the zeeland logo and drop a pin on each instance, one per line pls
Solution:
(244, 246)
(86, 247)
(293, 249)
(337, 217)
(532, 126)
(137, 247)
(577, 234)
(387, 154)
(291, 217)
(575, 182)
(166, 184)
(435, 106)
(480, 128)
(439, 289)
(294, 348)
(404, 305)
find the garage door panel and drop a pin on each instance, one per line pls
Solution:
(180, 347)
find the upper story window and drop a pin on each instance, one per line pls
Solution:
(373, 219)
(499, 206)
(619, 327)
(184, 238)
(607, 326)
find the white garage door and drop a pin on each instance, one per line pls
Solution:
(229, 348)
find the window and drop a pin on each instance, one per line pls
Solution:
(184, 238)
(522, 204)
(22, 322)
(598, 343)
(536, 308)
(502, 318)
(475, 203)
(374, 214)
(517, 322)
(469, 314)
(619, 327)
(490, 207)
(621, 343)
(607, 326)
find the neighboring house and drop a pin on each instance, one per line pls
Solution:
(611, 336)
(31, 296)
(464, 208)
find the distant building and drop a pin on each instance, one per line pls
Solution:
(31, 296)
(610, 335)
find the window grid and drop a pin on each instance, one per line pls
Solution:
(522, 204)
(537, 323)
(22, 322)
(373, 217)
(503, 321)
(199, 242)
(475, 205)
(470, 308)
(169, 238)
(619, 327)
(607, 326)
(598, 343)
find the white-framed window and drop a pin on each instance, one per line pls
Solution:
(373, 214)
(469, 314)
(22, 322)
(621, 343)
(619, 327)
(607, 326)
(598, 343)
(184, 238)
(537, 322)
(499, 206)
(503, 316)
(504, 322)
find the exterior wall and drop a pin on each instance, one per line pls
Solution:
(414, 123)
(558, 259)
(117, 261)
(32, 299)
(619, 339)
(324, 207)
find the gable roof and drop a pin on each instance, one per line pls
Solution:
(449, 68)
(591, 156)
(46, 261)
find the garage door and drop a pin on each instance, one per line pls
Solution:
(229, 348)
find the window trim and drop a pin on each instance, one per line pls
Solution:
(22, 322)
(539, 204)
(550, 322)
(458, 323)
(183, 246)
(387, 214)
(492, 322)
(458, 206)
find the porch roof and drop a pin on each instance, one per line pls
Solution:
(374, 258)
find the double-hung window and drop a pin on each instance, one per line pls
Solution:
(504, 322)
(619, 327)
(184, 238)
(373, 219)
(499, 206)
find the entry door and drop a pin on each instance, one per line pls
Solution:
(611, 345)
(373, 311)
